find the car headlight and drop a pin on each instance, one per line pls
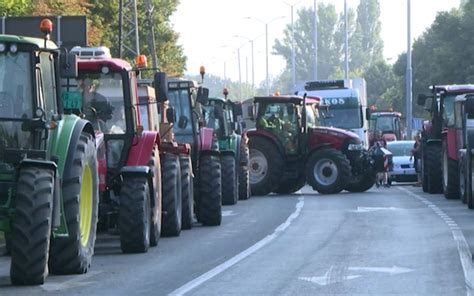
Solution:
(355, 147)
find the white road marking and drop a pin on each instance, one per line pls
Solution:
(239, 257)
(373, 209)
(327, 279)
(464, 251)
(391, 270)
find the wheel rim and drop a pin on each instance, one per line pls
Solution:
(85, 205)
(325, 172)
(445, 168)
(258, 166)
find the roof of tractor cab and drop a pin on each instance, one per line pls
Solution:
(287, 99)
(97, 64)
(27, 40)
(455, 88)
(218, 99)
(385, 113)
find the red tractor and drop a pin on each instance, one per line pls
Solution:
(175, 158)
(288, 148)
(441, 140)
(388, 122)
(128, 156)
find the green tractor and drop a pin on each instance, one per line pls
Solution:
(218, 114)
(48, 164)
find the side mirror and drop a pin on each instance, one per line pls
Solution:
(250, 112)
(368, 113)
(182, 122)
(469, 106)
(160, 83)
(68, 65)
(428, 103)
(202, 95)
(421, 99)
(171, 115)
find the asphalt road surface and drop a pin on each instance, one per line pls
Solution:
(395, 240)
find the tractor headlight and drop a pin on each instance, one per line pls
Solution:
(13, 48)
(352, 147)
(2, 47)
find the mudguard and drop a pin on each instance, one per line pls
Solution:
(142, 147)
(451, 140)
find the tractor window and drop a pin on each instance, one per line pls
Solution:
(103, 101)
(48, 84)
(312, 116)
(179, 99)
(16, 95)
(458, 113)
(385, 124)
(448, 110)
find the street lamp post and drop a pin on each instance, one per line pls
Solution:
(267, 82)
(346, 42)
(409, 73)
(251, 48)
(293, 54)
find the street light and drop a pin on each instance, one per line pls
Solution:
(409, 73)
(253, 68)
(266, 45)
(293, 55)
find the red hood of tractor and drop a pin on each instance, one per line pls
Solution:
(335, 137)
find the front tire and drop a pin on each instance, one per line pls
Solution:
(73, 255)
(134, 217)
(155, 168)
(172, 199)
(328, 171)
(31, 228)
(187, 192)
(433, 168)
(209, 206)
(244, 174)
(230, 194)
(265, 165)
(450, 173)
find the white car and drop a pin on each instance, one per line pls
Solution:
(403, 169)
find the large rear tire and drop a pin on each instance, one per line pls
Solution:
(230, 194)
(450, 173)
(31, 228)
(209, 206)
(462, 180)
(172, 199)
(187, 192)
(265, 165)
(8, 243)
(73, 254)
(424, 172)
(134, 219)
(328, 171)
(156, 211)
(433, 168)
(363, 182)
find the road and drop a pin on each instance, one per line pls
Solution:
(395, 240)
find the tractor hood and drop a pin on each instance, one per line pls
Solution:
(336, 132)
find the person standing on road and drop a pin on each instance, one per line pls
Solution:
(380, 142)
(415, 155)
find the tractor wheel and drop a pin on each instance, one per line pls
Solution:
(187, 192)
(289, 186)
(468, 177)
(462, 180)
(265, 165)
(433, 168)
(363, 182)
(328, 171)
(244, 174)
(172, 199)
(450, 173)
(31, 228)
(8, 243)
(209, 209)
(230, 194)
(73, 254)
(134, 215)
(424, 172)
(155, 168)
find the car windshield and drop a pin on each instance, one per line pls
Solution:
(400, 148)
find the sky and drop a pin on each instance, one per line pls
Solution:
(213, 32)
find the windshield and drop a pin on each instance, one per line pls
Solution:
(16, 99)
(448, 113)
(400, 148)
(16, 96)
(102, 100)
(342, 118)
(179, 99)
(385, 124)
(213, 120)
(312, 116)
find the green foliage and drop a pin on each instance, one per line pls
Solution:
(14, 7)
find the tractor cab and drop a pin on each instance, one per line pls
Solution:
(388, 122)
